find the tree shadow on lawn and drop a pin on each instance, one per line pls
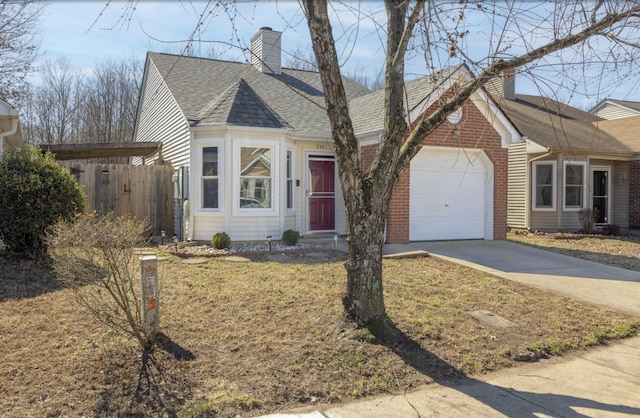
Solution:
(22, 278)
(508, 401)
(161, 387)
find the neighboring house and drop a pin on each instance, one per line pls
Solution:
(252, 143)
(616, 109)
(10, 130)
(569, 160)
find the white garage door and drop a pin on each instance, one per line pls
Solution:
(448, 195)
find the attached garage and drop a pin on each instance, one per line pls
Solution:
(451, 195)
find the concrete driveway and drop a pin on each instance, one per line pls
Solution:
(612, 287)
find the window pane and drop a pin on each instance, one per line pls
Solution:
(255, 162)
(255, 193)
(289, 194)
(574, 174)
(288, 164)
(544, 174)
(210, 161)
(210, 193)
(544, 196)
(573, 196)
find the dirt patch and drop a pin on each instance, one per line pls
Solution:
(245, 339)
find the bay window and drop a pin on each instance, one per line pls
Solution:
(255, 177)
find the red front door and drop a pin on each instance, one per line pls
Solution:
(322, 196)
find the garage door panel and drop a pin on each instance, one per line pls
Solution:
(447, 197)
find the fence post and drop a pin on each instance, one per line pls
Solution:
(150, 295)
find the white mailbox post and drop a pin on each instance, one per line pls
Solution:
(150, 295)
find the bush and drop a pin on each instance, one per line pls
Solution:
(220, 241)
(588, 218)
(611, 229)
(290, 237)
(35, 193)
(95, 256)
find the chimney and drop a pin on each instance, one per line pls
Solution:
(266, 51)
(509, 85)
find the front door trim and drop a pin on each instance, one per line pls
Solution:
(317, 155)
(607, 195)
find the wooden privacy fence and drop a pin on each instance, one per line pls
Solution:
(143, 191)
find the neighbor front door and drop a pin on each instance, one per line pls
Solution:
(600, 186)
(321, 194)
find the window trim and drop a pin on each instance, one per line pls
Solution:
(583, 164)
(275, 173)
(534, 187)
(200, 144)
(290, 210)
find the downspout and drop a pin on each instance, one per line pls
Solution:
(13, 130)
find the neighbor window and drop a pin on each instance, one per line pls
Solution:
(544, 179)
(255, 177)
(209, 178)
(574, 176)
(289, 180)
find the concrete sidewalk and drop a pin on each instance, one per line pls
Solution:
(603, 382)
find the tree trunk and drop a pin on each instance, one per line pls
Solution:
(364, 301)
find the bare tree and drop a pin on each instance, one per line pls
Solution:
(367, 193)
(301, 59)
(51, 111)
(68, 107)
(19, 46)
(110, 96)
(95, 257)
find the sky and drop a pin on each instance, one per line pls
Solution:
(89, 32)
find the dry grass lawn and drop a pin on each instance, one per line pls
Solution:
(245, 339)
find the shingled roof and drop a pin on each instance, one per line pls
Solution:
(626, 130)
(214, 92)
(559, 126)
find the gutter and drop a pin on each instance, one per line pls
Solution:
(13, 130)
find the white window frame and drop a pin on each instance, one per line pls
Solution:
(290, 210)
(534, 187)
(275, 181)
(583, 164)
(196, 173)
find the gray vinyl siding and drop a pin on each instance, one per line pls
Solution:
(547, 220)
(160, 119)
(620, 194)
(517, 190)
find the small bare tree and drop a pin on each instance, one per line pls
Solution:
(94, 257)
(588, 218)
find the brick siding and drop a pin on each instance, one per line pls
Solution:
(473, 131)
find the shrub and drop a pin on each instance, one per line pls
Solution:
(611, 229)
(290, 237)
(588, 218)
(35, 193)
(220, 241)
(95, 257)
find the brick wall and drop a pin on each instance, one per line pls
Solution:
(473, 131)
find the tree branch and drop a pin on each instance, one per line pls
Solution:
(430, 123)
